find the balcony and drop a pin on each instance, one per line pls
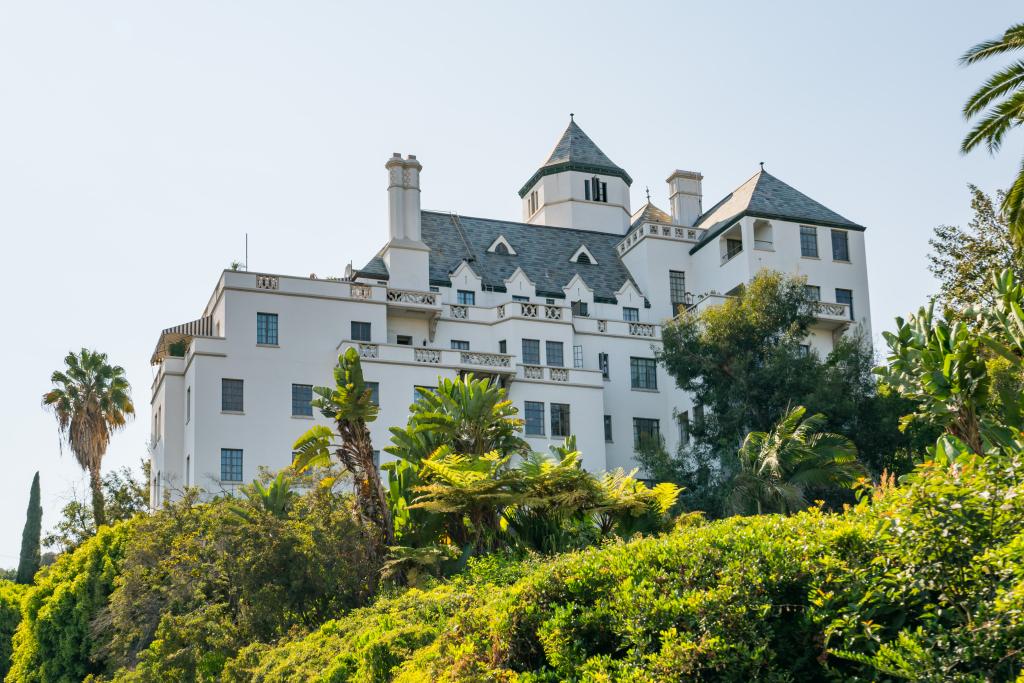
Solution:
(531, 311)
(414, 302)
(559, 375)
(832, 316)
(621, 328)
(401, 354)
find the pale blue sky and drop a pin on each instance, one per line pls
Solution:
(139, 141)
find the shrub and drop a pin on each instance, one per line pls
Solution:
(11, 595)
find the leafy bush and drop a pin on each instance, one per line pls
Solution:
(11, 595)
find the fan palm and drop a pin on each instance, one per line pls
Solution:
(778, 467)
(1000, 104)
(91, 400)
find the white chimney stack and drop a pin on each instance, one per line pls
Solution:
(684, 193)
(411, 202)
(405, 254)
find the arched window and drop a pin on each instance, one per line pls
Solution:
(500, 248)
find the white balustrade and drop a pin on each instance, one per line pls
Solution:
(267, 282)
(641, 329)
(558, 374)
(533, 372)
(427, 356)
(406, 296)
(361, 291)
(459, 312)
(369, 350)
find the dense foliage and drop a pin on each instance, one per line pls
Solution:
(31, 536)
(11, 595)
(125, 495)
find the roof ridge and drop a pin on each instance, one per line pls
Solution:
(528, 225)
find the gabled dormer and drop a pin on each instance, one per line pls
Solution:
(518, 284)
(501, 246)
(578, 187)
(583, 256)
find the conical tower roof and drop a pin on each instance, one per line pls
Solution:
(575, 151)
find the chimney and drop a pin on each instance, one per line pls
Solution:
(404, 197)
(684, 193)
(411, 202)
(396, 197)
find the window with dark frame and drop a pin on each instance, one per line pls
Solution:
(583, 258)
(531, 351)
(577, 356)
(684, 427)
(553, 353)
(302, 396)
(808, 241)
(630, 315)
(460, 345)
(732, 247)
(643, 373)
(231, 464)
(608, 428)
(595, 190)
(580, 309)
(677, 289)
(521, 299)
(374, 388)
(266, 328)
(602, 363)
(502, 346)
(845, 296)
(232, 395)
(533, 413)
(465, 297)
(813, 292)
(560, 420)
(646, 432)
(404, 340)
(360, 331)
(840, 245)
(188, 405)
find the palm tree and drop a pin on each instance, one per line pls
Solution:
(91, 400)
(777, 467)
(1000, 103)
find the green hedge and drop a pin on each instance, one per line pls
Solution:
(11, 595)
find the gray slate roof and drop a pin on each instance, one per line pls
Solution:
(765, 196)
(542, 252)
(648, 213)
(575, 151)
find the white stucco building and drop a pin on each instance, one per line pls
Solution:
(564, 308)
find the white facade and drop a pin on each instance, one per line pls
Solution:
(412, 323)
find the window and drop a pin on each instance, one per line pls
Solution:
(684, 427)
(502, 346)
(360, 331)
(560, 419)
(521, 299)
(583, 258)
(805, 350)
(813, 292)
(434, 289)
(534, 412)
(466, 297)
(732, 247)
(500, 248)
(698, 416)
(417, 395)
(676, 289)
(808, 241)
(645, 431)
(404, 340)
(188, 405)
(532, 204)
(460, 345)
(602, 362)
(549, 302)
(845, 296)
(266, 328)
(577, 356)
(580, 309)
(231, 395)
(608, 428)
(231, 464)
(553, 353)
(630, 315)
(302, 395)
(531, 351)
(840, 245)
(595, 190)
(643, 373)
(374, 388)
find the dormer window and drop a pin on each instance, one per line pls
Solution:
(595, 190)
(533, 203)
(583, 258)
(501, 249)
(500, 245)
(583, 255)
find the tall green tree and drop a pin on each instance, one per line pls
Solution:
(91, 400)
(28, 563)
(124, 496)
(778, 467)
(963, 259)
(997, 108)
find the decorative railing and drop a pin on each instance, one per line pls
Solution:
(602, 325)
(552, 313)
(369, 350)
(501, 310)
(458, 311)
(406, 296)
(528, 310)
(480, 358)
(558, 374)
(427, 355)
(267, 282)
(641, 329)
(533, 372)
(361, 291)
(674, 232)
(832, 309)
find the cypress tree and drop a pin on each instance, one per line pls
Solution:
(28, 565)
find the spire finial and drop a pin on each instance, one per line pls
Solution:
(571, 117)
(762, 165)
(648, 190)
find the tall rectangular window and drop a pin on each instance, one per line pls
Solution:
(580, 309)
(808, 241)
(553, 353)
(560, 419)
(732, 247)
(534, 415)
(360, 331)
(466, 297)
(188, 405)
(646, 432)
(813, 292)
(531, 351)
(677, 289)
(231, 395)
(460, 345)
(643, 373)
(266, 328)
(840, 245)
(374, 388)
(302, 396)
(684, 427)
(608, 428)
(630, 315)
(698, 416)
(845, 296)
(231, 464)
(502, 346)
(602, 362)
(577, 356)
